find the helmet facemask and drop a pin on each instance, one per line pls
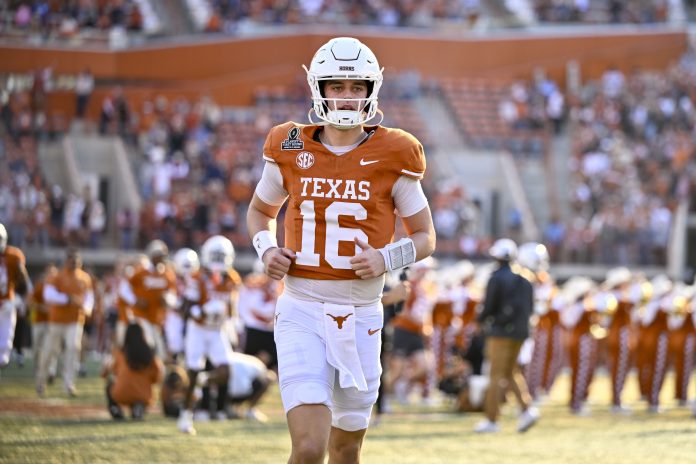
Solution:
(217, 254)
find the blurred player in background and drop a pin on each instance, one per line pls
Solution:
(213, 299)
(257, 304)
(70, 299)
(186, 266)
(150, 291)
(14, 283)
(39, 316)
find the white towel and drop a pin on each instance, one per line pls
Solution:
(341, 350)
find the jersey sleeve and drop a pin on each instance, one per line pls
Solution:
(414, 166)
(268, 152)
(17, 255)
(405, 152)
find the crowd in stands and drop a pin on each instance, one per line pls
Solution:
(230, 16)
(631, 163)
(602, 11)
(36, 212)
(67, 20)
(64, 20)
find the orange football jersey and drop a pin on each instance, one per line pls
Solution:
(75, 283)
(334, 199)
(223, 290)
(10, 263)
(151, 285)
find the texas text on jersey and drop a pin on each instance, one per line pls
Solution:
(334, 199)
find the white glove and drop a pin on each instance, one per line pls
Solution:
(214, 311)
(196, 311)
(214, 307)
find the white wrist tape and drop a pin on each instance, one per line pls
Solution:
(263, 240)
(399, 254)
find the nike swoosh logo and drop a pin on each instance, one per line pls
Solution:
(372, 331)
(365, 163)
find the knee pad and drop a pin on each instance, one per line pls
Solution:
(350, 421)
(352, 409)
(298, 393)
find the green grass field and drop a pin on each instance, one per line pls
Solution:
(62, 430)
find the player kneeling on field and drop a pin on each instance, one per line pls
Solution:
(131, 374)
(248, 382)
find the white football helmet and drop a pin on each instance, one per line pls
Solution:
(616, 277)
(186, 262)
(503, 249)
(3, 238)
(217, 254)
(344, 58)
(156, 249)
(534, 256)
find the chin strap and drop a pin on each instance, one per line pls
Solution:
(324, 122)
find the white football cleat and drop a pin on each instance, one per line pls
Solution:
(620, 409)
(185, 422)
(254, 414)
(528, 419)
(486, 426)
(201, 415)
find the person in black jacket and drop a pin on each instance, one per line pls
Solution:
(508, 305)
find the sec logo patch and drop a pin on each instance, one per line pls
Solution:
(304, 160)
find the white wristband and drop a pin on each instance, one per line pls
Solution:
(399, 254)
(263, 240)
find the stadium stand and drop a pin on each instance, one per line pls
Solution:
(189, 147)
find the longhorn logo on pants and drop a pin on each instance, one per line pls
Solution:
(339, 319)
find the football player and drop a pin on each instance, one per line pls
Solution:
(186, 266)
(257, 303)
(412, 358)
(150, 291)
(212, 300)
(39, 318)
(70, 298)
(345, 182)
(14, 281)
(547, 353)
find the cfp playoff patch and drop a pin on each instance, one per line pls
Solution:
(293, 141)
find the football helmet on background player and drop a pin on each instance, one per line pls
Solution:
(186, 262)
(156, 249)
(344, 58)
(217, 254)
(3, 238)
(503, 249)
(534, 256)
